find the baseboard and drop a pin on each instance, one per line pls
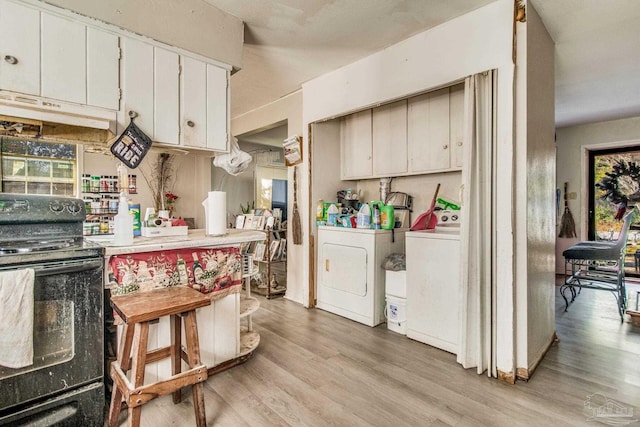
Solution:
(525, 373)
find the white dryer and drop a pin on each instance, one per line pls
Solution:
(350, 277)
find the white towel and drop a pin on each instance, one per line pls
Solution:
(16, 318)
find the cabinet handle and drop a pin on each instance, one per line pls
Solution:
(326, 265)
(11, 59)
(445, 146)
(190, 123)
(459, 143)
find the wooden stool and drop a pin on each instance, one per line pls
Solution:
(137, 311)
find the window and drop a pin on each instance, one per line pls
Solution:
(36, 167)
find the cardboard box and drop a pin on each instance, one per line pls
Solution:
(181, 230)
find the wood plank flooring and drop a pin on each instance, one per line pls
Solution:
(313, 368)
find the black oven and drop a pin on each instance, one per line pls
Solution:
(64, 385)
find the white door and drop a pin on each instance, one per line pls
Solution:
(19, 48)
(137, 84)
(389, 135)
(344, 268)
(193, 101)
(103, 69)
(166, 100)
(428, 132)
(355, 145)
(64, 59)
(217, 107)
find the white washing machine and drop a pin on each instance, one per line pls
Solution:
(350, 277)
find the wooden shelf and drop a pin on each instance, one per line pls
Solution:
(248, 305)
(268, 293)
(249, 341)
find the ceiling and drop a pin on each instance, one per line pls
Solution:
(288, 42)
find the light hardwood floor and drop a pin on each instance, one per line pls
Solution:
(317, 369)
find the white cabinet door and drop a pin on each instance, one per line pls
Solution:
(103, 69)
(217, 107)
(166, 119)
(193, 101)
(389, 135)
(137, 85)
(433, 294)
(355, 146)
(344, 268)
(19, 43)
(456, 124)
(64, 59)
(428, 132)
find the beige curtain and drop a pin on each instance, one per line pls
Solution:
(477, 231)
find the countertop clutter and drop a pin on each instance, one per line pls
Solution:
(194, 238)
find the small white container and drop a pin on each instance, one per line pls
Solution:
(396, 283)
(396, 314)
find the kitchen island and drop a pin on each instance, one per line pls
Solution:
(223, 341)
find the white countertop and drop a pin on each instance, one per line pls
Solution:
(194, 239)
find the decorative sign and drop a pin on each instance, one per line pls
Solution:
(131, 146)
(292, 150)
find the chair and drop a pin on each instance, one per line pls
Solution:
(137, 311)
(598, 265)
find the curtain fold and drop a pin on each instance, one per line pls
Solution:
(476, 229)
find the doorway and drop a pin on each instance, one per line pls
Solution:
(614, 178)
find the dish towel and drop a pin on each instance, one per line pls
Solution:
(16, 318)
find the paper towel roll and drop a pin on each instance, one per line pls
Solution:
(215, 213)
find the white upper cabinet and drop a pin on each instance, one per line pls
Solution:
(389, 133)
(193, 102)
(64, 58)
(137, 85)
(55, 57)
(355, 145)
(428, 132)
(103, 69)
(217, 108)
(166, 91)
(456, 124)
(19, 48)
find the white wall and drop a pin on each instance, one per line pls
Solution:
(192, 25)
(535, 201)
(476, 42)
(288, 108)
(572, 143)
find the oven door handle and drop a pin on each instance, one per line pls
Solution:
(72, 267)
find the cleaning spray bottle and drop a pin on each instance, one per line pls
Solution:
(123, 224)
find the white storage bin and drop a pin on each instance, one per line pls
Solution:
(396, 314)
(396, 283)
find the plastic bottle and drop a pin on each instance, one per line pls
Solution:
(332, 215)
(363, 219)
(123, 224)
(376, 217)
(320, 211)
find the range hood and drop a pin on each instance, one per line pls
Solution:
(35, 117)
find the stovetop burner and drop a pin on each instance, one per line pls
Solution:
(26, 246)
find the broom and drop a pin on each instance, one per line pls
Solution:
(567, 224)
(296, 226)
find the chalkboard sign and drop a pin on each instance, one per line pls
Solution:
(131, 146)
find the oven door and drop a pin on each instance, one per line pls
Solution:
(67, 334)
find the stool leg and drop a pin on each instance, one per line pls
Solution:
(193, 351)
(140, 340)
(176, 351)
(124, 353)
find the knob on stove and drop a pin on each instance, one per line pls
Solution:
(74, 208)
(56, 207)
